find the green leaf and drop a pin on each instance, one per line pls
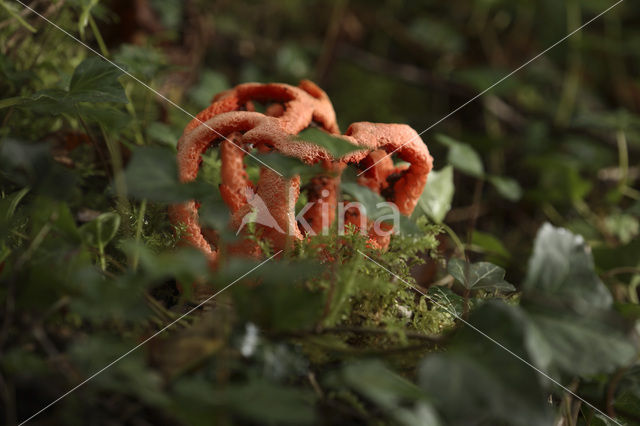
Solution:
(337, 147)
(9, 203)
(489, 243)
(31, 164)
(435, 201)
(257, 401)
(436, 34)
(96, 80)
(624, 226)
(572, 326)
(93, 81)
(101, 230)
(112, 120)
(507, 187)
(286, 166)
(49, 101)
(462, 156)
(13, 77)
(576, 344)
(143, 61)
(627, 397)
(292, 60)
(365, 196)
(129, 376)
(380, 384)
(561, 268)
(161, 132)
(377, 208)
(479, 276)
(392, 392)
(478, 380)
(281, 301)
(211, 82)
(467, 391)
(185, 264)
(8, 102)
(152, 173)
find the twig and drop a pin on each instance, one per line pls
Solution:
(314, 384)
(366, 330)
(611, 391)
(621, 270)
(329, 44)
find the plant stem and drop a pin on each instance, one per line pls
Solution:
(122, 203)
(139, 226)
(623, 158)
(572, 79)
(98, 36)
(456, 240)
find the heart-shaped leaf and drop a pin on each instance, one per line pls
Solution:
(435, 201)
(479, 276)
(462, 156)
(561, 268)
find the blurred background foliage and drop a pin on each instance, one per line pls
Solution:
(528, 227)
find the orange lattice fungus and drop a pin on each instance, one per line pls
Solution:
(232, 124)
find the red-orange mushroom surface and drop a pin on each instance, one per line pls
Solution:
(232, 124)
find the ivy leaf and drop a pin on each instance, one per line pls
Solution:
(561, 268)
(577, 344)
(489, 243)
(507, 187)
(468, 390)
(588, 337)
(377, 208)
(336, 146)
(462, 156)
(96, 80)
(478, 380)
(270, 403)
(392, 392)
(30, 164)
(479, 276)
(365, 196)
(435, 201)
